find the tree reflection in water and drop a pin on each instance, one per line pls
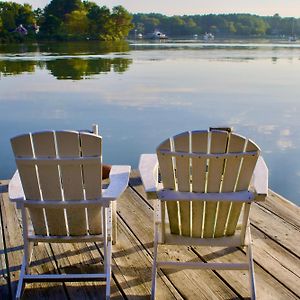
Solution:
(71, 68)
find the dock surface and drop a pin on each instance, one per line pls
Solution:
(275, 228)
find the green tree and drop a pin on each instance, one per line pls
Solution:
(77, 22)
(120, 22)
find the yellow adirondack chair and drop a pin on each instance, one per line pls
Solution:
(59, 184)
(208, 181)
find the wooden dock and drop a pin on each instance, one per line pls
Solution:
(275, 228)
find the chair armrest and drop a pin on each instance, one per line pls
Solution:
(15, 189)
(260, 180)
(119, 177)
(148, 167)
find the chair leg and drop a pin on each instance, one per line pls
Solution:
(154, 266)
(114, 222)
(108, 270)
(21, 284)
(251, 272)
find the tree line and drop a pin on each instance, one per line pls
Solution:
(222, 25)
(85, 20)
(63, 20)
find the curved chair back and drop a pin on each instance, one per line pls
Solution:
(61, 166)
(216, 162)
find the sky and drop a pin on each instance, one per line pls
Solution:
(285, 8)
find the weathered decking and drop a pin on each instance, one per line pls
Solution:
(275, 233)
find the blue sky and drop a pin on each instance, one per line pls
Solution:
(285, 8)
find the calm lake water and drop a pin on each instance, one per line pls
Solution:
(141, 93)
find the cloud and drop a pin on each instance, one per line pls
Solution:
(285, 132)
(285, 144)
(266, 129)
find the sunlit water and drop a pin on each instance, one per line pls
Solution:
(142, 93)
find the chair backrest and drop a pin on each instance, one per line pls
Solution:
(206, 162)
(59, 166)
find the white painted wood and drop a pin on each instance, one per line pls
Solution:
(22, 147)
(181, 144)
(72, 182)
(199, 146)
(50, 181)
(236, 145)
(119, 177)
(214, 179)
(148, 167)
(247, 167)
(206, 156)
(167, 171)
(66, 175)
(91, 145)
(203, 265)
(218, 144)
(260, 180)
(227, 241)
(169, 195)
(246, 171)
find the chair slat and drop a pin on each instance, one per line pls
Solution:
(166, 168)
(49, 178)
(181, 143)
(199, 145)
(92, 177)
(235, 212)
(246, 170)
(71, 175)
(22, 147)
(232, 165)
(218, 144)
(247, 167)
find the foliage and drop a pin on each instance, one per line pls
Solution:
(221, 25)
(64, 20)
(12, 15)
(85, 20)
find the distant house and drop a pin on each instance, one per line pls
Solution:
(21, 30)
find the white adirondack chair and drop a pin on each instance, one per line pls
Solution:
(59, 183)
(209, 180)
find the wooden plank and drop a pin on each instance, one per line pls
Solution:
(42, 260)
(5, 291)
(279, 262)
(283, 208)
(132, 267)
(139, 218)
(267, 286)
(276, 228)
(80, 258)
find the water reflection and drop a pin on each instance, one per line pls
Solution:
(16, 67)
(66, 48)
(74, 69)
